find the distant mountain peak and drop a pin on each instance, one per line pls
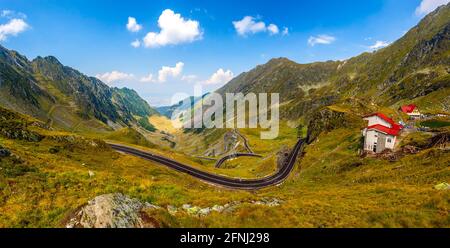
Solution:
(414, 66)
(48, 59)
(45, 84)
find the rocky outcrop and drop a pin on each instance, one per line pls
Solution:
(22, 134)
(113, 211)
(326, 120)
(4, 152)
(226, 208)
(282, 156)
(14, 126)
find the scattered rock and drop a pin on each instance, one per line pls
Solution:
(193, 210)
(113, 211)
(217, 208)
(93, 143)
(172, 209)
(204, 211)
(91, 173)
(226, 208)
(389, 155)
(21, 134)
(410, 149)
(442, 186)
(274, 202)
(4, 153)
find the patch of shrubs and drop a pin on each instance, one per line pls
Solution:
(54, 150)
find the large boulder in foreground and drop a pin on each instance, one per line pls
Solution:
(113, 211)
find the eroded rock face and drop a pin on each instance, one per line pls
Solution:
(113, 211)
(326, 120)
(282, 156)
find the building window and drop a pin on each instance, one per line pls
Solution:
(389, 140)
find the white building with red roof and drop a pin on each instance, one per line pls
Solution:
(411, 110)
(381, 133)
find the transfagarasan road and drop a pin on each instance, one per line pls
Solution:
(234, 183)
(235, 155)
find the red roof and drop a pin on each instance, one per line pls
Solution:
(408, 108)
(397, 127)
(384, 117)
(381, 128)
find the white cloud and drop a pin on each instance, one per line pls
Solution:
(379, 44)
(220, 77)
(12, 28)
(132, 25)
(174, 30)
(189, 78)
(165, 73)
(170, 72)
(249, 25)
(285, 31)
(136, 44)
(6, 13)
(273, 29)
(427, 6)
(148, 79)
(321, 39)
(114, 76)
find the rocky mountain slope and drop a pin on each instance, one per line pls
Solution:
(48, 90)
(415, 68)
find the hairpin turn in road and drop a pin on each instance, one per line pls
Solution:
(247, 184)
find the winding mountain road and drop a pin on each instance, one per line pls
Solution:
(246, 143)
(235, 155)
(228, 182)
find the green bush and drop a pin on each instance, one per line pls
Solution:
(146, 124)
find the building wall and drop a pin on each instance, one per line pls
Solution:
(370, 140)
(390, 141)
(415, 114)
(374, 120)
(381, 140)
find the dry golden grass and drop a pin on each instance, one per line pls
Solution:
(330, 187)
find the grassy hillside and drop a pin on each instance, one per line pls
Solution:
(46, 179)
(57, 160)
(415, 66)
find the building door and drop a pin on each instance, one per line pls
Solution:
(375, 147)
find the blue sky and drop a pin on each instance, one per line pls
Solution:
(198, 42)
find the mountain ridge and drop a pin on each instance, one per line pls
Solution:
(39, 86)
(381, 77)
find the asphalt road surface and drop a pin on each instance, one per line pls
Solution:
(228, 182)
